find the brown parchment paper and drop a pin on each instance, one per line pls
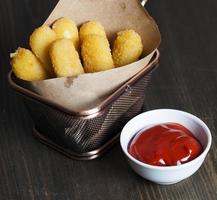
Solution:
(88, 90)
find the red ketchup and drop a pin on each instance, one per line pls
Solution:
(166, 144)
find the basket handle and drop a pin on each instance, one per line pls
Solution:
(143, 2)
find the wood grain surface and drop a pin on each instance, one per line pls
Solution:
(186, 80)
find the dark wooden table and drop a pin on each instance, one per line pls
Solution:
(186, 80)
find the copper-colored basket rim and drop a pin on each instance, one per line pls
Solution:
(91, 112)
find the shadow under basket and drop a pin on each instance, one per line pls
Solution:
(89, 134)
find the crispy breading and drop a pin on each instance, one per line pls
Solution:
(91, 27)
(96, 54)
(65, 59)
(127, 48)
(40, 42)
(66, 28)
(26, 66)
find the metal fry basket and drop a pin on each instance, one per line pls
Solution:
(88, 134)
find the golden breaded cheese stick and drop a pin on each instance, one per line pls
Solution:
(65, 59)
(96, 54)
(127, 48)
(26, 66)
(40, 42)
(66, 28)
(91, 27)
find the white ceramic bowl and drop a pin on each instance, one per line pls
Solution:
(169, 174)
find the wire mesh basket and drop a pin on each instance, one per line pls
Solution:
(86, 136)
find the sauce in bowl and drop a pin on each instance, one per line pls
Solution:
(167, 144)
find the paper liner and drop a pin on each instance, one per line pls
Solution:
(88, 90)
